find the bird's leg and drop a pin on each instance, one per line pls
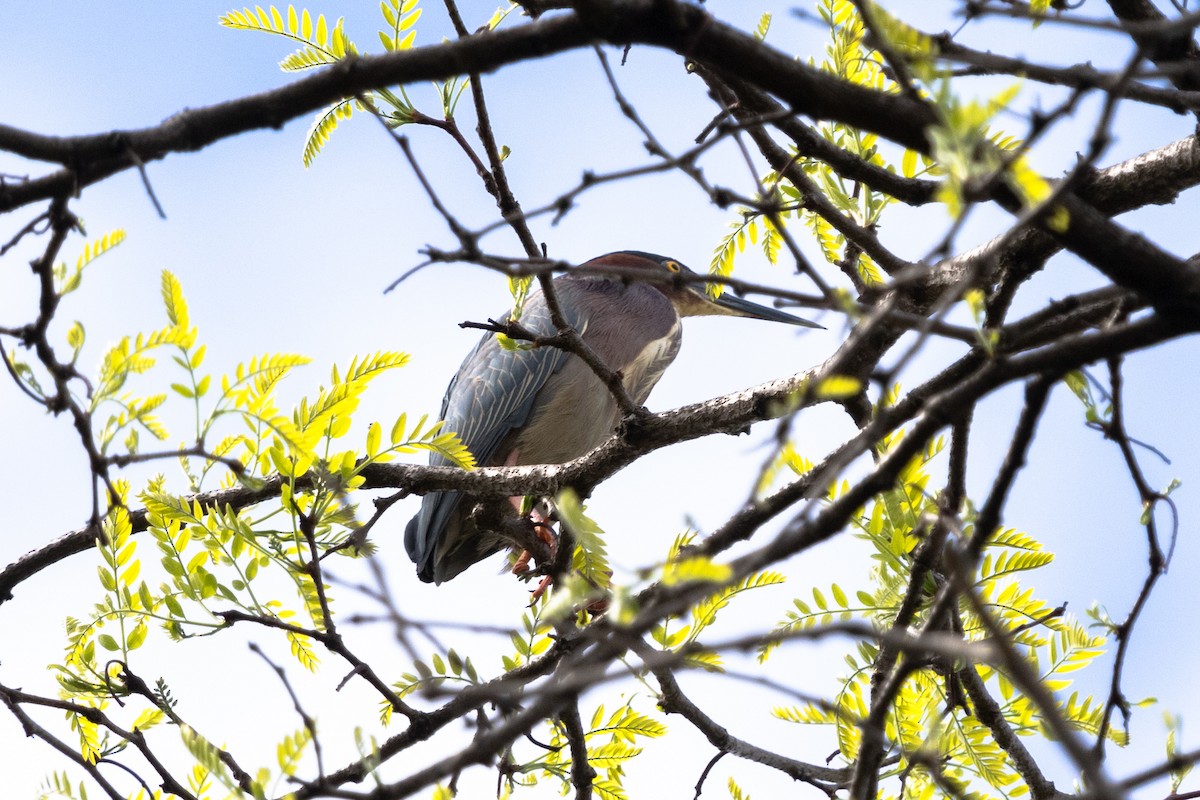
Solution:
(541, 529)
(542, 586)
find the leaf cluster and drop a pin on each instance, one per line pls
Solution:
(214, 559)
(322, 45)
(611, 740)
(927, 717)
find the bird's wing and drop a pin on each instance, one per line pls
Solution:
(492, 395)
(494, 390)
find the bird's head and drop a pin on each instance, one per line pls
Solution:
(690, 297)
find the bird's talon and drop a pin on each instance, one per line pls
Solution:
(540, 590)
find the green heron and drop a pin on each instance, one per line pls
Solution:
(544, 406)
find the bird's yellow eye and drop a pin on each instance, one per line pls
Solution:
(673, 266)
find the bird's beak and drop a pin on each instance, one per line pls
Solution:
(729, 303)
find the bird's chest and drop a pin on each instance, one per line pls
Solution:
(642, 372)
(639, 337)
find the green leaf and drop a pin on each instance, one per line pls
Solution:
(374, 433)
(323, 127)
(173, 602)
(137, 636)
(148, 719)
(705, 612)
(289, 751)
(172, 294)
(590, 558)
(91, 251)
(410, 18)
(696, 569)
(1038, 9)
(764, 25)
(75, 339)
(836, 387)
(398, 429)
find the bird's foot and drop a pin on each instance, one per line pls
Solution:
(542, 586)
(595, 607)
(545, 534)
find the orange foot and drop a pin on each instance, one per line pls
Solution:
(545, 533)
(537, 593)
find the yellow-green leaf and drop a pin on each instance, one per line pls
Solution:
(699, 568)
(374, 434)
(836, 387)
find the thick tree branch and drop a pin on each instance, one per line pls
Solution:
(1171, 48)
(687, 29)
(762, 88)
(730, 413)
(683, 28)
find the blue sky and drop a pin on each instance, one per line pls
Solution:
(274, 257)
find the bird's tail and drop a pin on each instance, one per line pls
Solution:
(417, 543)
